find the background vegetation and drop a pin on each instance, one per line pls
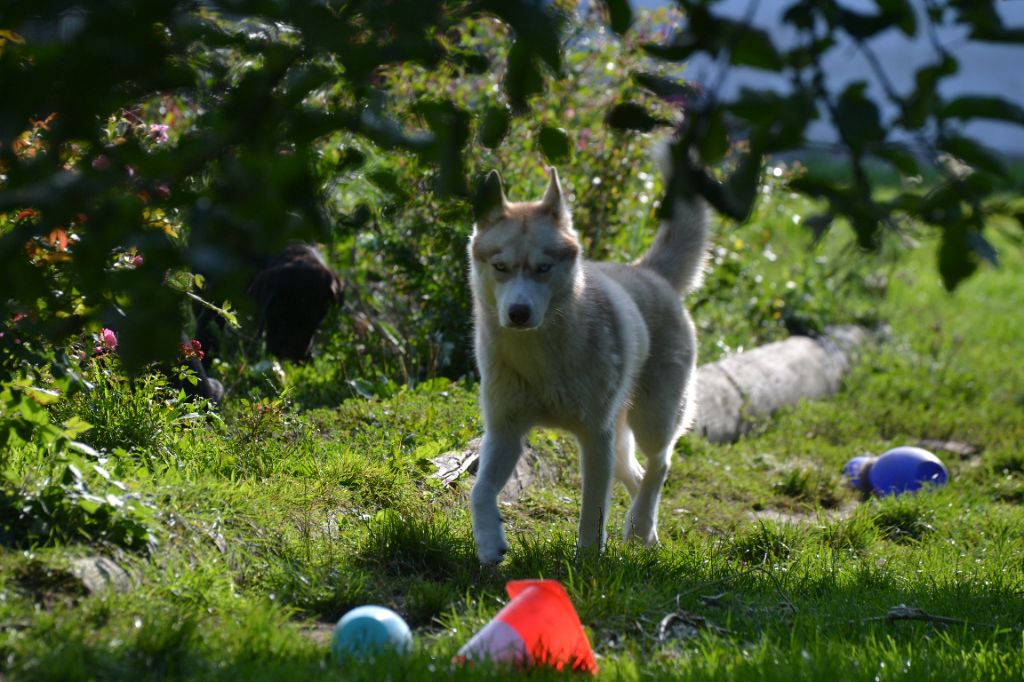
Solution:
(142, 174)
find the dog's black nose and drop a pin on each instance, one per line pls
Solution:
(519, 314)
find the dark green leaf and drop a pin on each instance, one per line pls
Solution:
(984, 22)
(819, 224)
(386, 180)
(472, 62)
(806, 55)
(813, 185)
(753, 47)
(537, 27)
(523, 78)
(981, 246)
(350, 159)
(450, 126)
(857, 117)
(924, 100)
(554, 142)
(679, 49)
(620, 15)
(734, 197)
(632, 116)
(714, 143)
(744, 182)
(973, 106)
(865, 225)
(665, 88)
(904, 161)
(1012, 36)
(800, 15)
(860, 25)
(901, 14)
(956, 260)
(494, 126)
(780, 121)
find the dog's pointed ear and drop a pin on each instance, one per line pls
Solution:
(553, 200)
(489, 201)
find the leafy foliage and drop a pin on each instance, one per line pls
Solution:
(926, 132)
(67, 508)
(205, 138)
(191, 141)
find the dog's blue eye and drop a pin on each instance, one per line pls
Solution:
(500, 267)
(544, 267)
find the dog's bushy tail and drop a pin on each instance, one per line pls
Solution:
(680, 249)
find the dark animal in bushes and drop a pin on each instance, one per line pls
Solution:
(292, 296)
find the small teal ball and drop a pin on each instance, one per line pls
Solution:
(369, 631)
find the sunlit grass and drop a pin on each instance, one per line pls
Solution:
(275, 523)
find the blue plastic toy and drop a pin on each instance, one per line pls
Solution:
(370, 630)
(896, 471)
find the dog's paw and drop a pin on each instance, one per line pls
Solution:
(643, 533)
(491, 551)
(587, 554)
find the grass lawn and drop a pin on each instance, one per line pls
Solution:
(271, 522)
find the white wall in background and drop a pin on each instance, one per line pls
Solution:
(985, 68)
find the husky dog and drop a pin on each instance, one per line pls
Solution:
(603, 350)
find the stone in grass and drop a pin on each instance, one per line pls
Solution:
(99, 574)
(530, 469)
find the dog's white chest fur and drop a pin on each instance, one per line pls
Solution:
(565, 373)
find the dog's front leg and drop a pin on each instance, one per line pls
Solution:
(499, 453)
(596, 464)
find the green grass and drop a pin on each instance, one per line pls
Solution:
(275, 520)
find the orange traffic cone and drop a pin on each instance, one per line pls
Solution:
(539, 626)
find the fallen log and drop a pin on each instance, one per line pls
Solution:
(735, 392)
(732, 394)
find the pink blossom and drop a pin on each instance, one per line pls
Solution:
(583, 139)
(193, 350)
(137, 261)
(107, 342)
(158, 131)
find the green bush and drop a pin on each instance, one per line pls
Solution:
(204, 138)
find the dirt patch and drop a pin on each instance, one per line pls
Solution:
(788, 516)
(319, 632)
(955, 447)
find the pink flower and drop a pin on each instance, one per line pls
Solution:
(584, 138)
(158, 131)
(137, 262)
(107, 342)
(193, 350)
